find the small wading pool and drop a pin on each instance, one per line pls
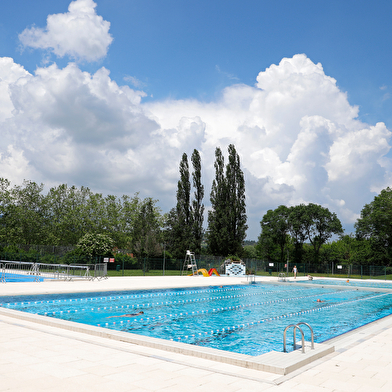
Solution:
(247, 319)
(6, 277)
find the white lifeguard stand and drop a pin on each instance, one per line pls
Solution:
(189, 263)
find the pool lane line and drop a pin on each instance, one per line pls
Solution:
(168, 317)
(270, 319)
(182, 302)
(80, 300)
(130, 296)
(135, 296)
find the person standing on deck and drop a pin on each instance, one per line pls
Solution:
(295, 272)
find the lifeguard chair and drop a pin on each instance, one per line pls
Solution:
(189, 263)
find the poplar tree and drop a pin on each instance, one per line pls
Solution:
(227, 218)
(236, 206)
(184, 195)
(197, 203)
(179, 219)
(184, 223)
(217, 226)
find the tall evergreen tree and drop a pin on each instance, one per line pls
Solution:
(236, 202)
(217, 225)
(197, 204)
(179, 220)
(184, 193)
(184, 223)
(227, 218)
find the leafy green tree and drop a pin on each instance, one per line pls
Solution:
(362, 253)
(320, 225)
(5, 207)
(375, 226)
(171, 235)
(147, 230)
(26, 215)
(95, 244)
(275, 229)
(197, 204)
(267, 249)
(250, 252)
(65, 214)
(130, 207)
(66, 210)
(297, 229)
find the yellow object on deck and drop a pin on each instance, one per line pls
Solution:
(204, 272)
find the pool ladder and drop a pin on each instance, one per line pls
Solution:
(282, 277)
(296, 326)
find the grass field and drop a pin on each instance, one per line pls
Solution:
(139, 272)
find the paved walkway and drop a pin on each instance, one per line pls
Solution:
(35, 357)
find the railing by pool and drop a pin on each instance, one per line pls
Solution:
(37, 272)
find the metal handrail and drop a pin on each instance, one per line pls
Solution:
(2, 273)
(296, 326)
(251, 278)
(282, 277)
(311, 333)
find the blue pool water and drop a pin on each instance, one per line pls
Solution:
(347, 282)
(6, 277)
(248, 319)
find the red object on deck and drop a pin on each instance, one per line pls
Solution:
(213, 271)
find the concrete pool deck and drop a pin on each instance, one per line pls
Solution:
(39, 357)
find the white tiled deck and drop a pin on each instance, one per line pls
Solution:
(40, 357)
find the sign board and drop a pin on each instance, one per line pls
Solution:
(339, 266)
(271, 264)
(106, 260)
(234, 269)
(111, 260)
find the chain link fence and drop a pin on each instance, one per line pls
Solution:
(162, 266)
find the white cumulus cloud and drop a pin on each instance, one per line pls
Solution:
(298, 137)
(79, 33)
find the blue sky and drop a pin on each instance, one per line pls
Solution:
(176, 48)
(193, 62)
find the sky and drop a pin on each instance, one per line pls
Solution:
(109, 94)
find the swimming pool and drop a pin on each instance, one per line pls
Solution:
(13, 277)
(247, 319)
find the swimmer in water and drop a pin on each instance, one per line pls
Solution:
(319, 300)
(129, 314)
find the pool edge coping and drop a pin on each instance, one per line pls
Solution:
(272, 362)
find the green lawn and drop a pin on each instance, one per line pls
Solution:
(139, 272)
